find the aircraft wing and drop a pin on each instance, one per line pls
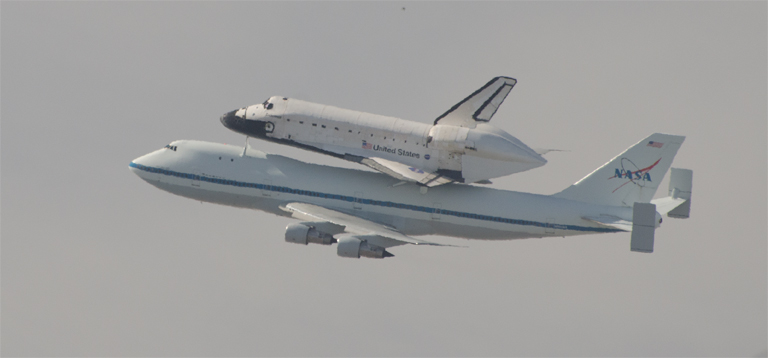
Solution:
(610, 221)
(480, 106)
(375, 233)
(404, 172)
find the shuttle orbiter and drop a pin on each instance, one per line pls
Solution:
(461, 146)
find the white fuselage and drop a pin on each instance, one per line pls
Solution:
(464, 154)
(219, 173)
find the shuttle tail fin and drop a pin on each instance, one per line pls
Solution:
(632, 176)
(480, 105)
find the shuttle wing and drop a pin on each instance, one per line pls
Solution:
(376, 233)
(405, 172)
(480, 105)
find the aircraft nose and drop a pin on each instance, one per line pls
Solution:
(146, 166)
(136, 165)
(229, 119)
(255, 127)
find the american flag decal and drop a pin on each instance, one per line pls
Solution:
(655, 144)
(367, 145)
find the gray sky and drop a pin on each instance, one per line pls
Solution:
(97, 262)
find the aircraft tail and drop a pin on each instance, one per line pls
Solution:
(480, 106)
(630, 177)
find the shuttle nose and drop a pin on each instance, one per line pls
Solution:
(229, 119)
(255, 127)
(237, 123)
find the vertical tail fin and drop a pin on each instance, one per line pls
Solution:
(632, 176)
(480, 105)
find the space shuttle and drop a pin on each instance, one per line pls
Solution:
(460, 146)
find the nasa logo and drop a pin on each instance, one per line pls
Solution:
(426, 156)
(636, 176)
(416, 170)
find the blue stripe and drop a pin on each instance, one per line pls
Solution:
(389, 204)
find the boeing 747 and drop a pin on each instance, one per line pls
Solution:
(365, 215)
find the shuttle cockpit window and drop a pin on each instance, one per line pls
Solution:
(171, 147)
(268, 105)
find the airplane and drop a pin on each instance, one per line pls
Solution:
(365, 215)
(461, 146)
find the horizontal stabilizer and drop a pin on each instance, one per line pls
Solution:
(682, 211)
(678, 204)
(610, 221)
(643, 227)
(480, 105)
(681, 186)
(666, 205)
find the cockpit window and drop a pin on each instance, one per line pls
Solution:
(171, 147)
(268, 105)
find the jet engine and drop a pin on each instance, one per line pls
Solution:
(354, 247)
(303, 234)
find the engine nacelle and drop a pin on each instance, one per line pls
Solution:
(303, 234)
(354, 247)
